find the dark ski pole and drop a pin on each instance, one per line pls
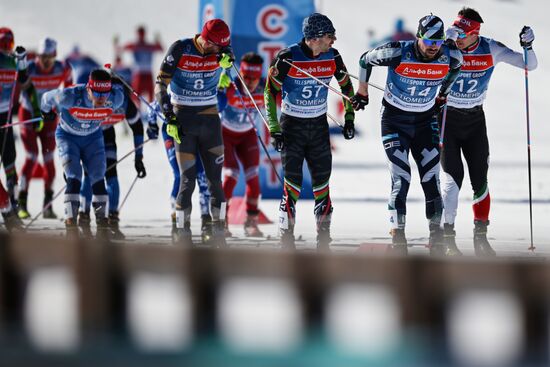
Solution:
(532, 247)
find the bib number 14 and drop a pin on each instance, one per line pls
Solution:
(423, 93)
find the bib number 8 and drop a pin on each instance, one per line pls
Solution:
(199, 84)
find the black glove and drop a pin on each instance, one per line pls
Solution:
(359, 101)
(440, 102)
(526, 37)
(152, 131)
(48, 116)
(169, 115)
(349, 127)
(277, 141)
(140, 168)
(227, 50)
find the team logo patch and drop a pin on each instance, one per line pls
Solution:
(444, 58)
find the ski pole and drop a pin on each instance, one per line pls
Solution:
(357, 78)
(442, 132)
(532, 247)
(335, 121)
(128, 193)
(251, 120)
(318, 80)
(64, 186)
(21, 122)
(108, 66)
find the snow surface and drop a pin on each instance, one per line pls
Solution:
(360, 179)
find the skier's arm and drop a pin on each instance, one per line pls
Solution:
(501, 53)
(164, 77)
(454, 70)
(134, 120)
(345, 84)
(275, 77)
(388, 54)
(222, 98)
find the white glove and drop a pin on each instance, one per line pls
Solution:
(452, 33)
(20, 54)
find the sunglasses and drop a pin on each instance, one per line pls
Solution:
(100, 94)
(430, 42)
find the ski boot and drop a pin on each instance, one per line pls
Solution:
(251, 226)
(287, 239)
(398, 242)
(12, 222)
(113, 225)
(481, 244)
(449, 236)
(103, 231)
(84, 224)
(71, 228)
(23, 213)
(323, 239)
(218, 234)
(435, 243)
(182, 236)
(48, 213)
(206, 229)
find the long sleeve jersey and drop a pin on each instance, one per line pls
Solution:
(413, 82)
(303, 96)
(470, 88)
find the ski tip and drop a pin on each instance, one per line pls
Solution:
(108, 66)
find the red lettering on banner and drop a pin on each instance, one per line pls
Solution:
(319, 69)
(47, 81)
(268, 50)
(422, 71)
(90, 114)
(198, 63)
(115, 118)
(7, 76)
(270, 21)
(477, 62)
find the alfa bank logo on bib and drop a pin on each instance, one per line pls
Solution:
(90, 114)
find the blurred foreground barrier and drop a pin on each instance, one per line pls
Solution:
(87, 303)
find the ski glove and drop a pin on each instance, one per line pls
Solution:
(153, 131)
(48, 116)
(172, 128)
(20, 54)
(526, 37)
(140, 168)
(440, 102)
(349, 127)
(452, 33)
(277, 141)
(38, 125)
(224, 82)
(226, 57)
(359, 101)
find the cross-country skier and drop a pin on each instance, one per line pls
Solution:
(170, 147)
(128, 111)
(192, 68)
(143, 51)
(239, 136)
(81, 65)
(81, 111)
(420, 76)
(465, 130)
(46, 73)
(13, 73)
(303, 131)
